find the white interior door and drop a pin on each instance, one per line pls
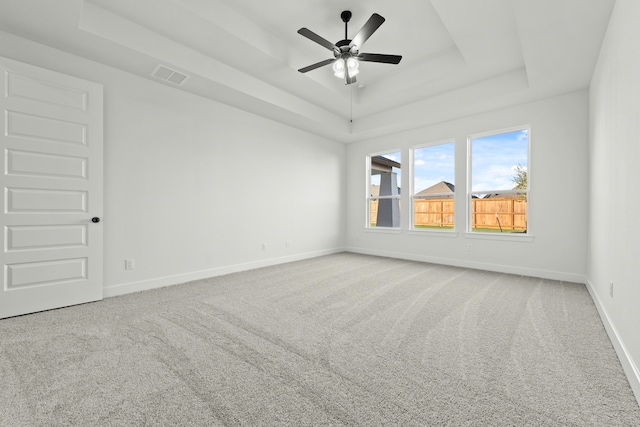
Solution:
(51, 143)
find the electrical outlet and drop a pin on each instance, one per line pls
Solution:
(611, 289)
(469, 247)
(264, 247)
(286, 244)
(129, 264)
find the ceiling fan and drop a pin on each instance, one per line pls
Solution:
(347, 52)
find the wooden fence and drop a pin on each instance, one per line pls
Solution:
(505, 213)
(433, 213)
(485, 213)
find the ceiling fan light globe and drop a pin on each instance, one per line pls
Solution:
(353, 66)
(339, 68)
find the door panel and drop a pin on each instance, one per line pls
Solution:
(46, 273)
(51, 143)
(44, 128)
(39, 164)
(20, 238)
(46, 92)
(31, 200)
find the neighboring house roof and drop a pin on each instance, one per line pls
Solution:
(439, 188)
(503, 196)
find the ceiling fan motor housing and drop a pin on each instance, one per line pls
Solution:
(345, 49)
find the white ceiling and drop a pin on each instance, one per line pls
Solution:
(460, 57)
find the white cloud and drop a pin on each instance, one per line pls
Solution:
(523, 136)
(495, 177)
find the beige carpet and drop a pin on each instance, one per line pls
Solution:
(344, 339)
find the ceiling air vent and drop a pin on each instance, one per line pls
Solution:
(167, 74)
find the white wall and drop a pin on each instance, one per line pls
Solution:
(557, 217)
(614, 185)
(193, 187)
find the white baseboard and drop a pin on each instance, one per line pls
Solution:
(630, 369)
(160, 282)
(500, 268)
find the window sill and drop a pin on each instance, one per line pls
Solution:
(433, 233)
(385, 230)
(525, 238)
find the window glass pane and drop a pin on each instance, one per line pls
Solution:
(434, 186)
(385, 180)
(495, 158)
(499, 165)
(433, 165)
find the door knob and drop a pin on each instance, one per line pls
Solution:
(95, 219)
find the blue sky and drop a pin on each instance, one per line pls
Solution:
(495, 158)
(432, 165)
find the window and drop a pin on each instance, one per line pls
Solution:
(383, 207)
(433, 186)
(499, 181)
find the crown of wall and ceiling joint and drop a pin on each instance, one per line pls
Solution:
(167, 74)
(248, 57)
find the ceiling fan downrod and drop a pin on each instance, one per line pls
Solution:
(346, 17)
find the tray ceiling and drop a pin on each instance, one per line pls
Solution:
(459, 57)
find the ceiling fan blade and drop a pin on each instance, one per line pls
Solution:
(367, 29)
(378, 57)
(316, 65)
(316, 38)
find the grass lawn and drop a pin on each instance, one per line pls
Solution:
(495, 230)
(475, 230)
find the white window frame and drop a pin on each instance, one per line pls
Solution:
(412, 196)
(527, 236)
(369, 197)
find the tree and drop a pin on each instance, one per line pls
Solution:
(520, 178)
